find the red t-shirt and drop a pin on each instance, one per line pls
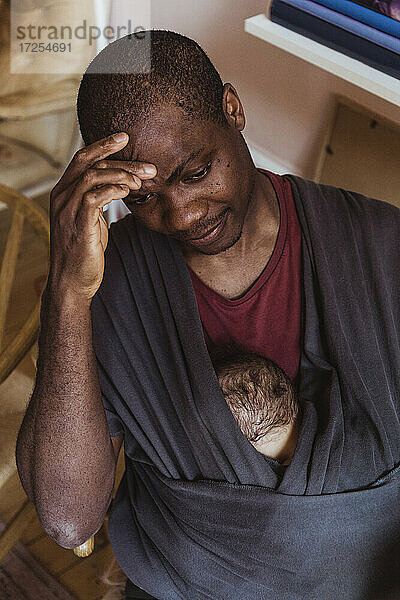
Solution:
(266, 319)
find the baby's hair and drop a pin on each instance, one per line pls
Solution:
(124, 82)
(259, 393)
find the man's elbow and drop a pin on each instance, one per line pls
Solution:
(70, 529)
(68, 535)
(65, 533)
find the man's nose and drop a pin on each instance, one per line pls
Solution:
(182, 214)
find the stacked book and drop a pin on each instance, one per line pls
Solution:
(367, 30)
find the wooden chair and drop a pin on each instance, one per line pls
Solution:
(23, 209)
(33, 101)
(17, 210)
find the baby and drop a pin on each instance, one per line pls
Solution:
(263, 401)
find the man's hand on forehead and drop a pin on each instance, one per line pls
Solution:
(137, 169)
(141, 169)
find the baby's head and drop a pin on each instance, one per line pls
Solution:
(262, 400)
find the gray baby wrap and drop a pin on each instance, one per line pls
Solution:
(199, 513)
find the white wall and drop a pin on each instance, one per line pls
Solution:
(286, 100)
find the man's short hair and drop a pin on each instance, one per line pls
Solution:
(259, 393)
(179, 73)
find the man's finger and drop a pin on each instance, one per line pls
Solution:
(85, 157)
(141, 169)
(91, 179)
(93, 200)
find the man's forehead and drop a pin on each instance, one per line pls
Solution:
(165, 149)
(161, 144)
(166, 137)
(165, 127)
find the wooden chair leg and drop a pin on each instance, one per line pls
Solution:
(15, 528)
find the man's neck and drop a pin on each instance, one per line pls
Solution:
(232, 272)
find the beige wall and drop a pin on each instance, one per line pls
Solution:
(287, 101)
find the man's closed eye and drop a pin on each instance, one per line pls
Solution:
(142, 200)
(199, 174)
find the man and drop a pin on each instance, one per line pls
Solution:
(215, 251)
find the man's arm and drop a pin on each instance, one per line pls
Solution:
(65, 457)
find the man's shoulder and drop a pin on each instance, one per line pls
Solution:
(324, 201)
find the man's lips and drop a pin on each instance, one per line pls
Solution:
(210, 233)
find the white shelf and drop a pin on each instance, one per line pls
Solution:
(339, 64)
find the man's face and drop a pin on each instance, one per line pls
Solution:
(207, 194)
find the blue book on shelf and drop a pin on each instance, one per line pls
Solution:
(364, 15)
(380, 38)
(335, 37)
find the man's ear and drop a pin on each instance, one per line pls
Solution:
(232, 107)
